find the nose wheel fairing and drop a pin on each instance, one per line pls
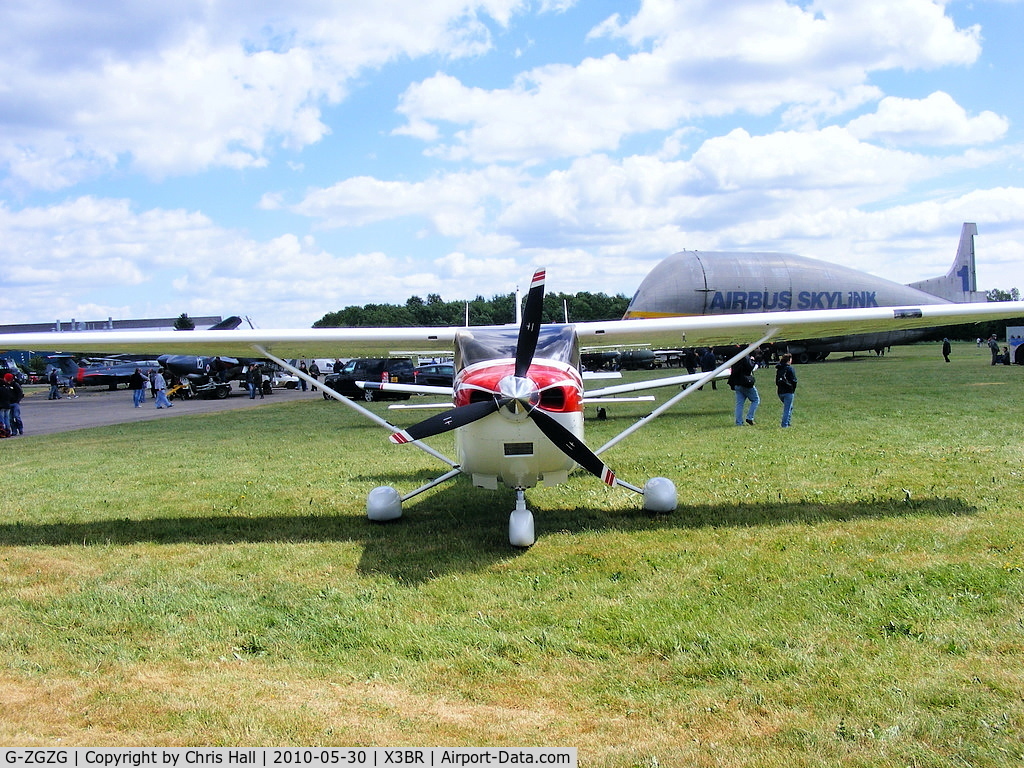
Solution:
(498, 451)
(521, 531)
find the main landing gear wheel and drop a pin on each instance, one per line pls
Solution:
(660, 495)
(383, 504)
(520, 524)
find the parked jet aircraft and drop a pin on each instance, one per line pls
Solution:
(114, 370)
(109, 372)
(714, 283)
(205, 371)
(518, 395)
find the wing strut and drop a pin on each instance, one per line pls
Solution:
(692, 388)
(352, 404)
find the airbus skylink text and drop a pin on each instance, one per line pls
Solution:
(756, 301)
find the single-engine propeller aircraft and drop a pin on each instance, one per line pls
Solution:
(518, 394)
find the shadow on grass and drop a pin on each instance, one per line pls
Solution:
(461, 531)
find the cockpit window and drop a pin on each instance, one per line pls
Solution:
(477, 345)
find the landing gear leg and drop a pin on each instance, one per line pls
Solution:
(520, 523)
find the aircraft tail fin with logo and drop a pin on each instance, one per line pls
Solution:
(960, 284)
(227, 325)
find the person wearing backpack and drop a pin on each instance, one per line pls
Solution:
(741, 380)
(785, 383)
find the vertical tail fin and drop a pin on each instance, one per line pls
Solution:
(960, 284)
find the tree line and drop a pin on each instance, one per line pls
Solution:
(498, 310)
(582, 307)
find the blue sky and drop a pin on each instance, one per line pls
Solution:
(282, 159)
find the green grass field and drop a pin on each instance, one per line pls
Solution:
(849, 591)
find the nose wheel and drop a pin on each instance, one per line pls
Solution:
(520, 523)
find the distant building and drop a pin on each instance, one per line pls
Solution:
(22, 357)
(59, 326)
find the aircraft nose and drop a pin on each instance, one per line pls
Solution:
(522, 393)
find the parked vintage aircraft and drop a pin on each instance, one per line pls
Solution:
(718, 283)
(109, 372)
(518, 395)
(206, 372)
(113, 370)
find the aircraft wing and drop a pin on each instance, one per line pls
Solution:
(289, 343)
(662, 332)
(710, 330)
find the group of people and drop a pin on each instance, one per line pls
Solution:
(743, 383)
(155, 381)
(11, 395)
(999, 357)
(254, 381)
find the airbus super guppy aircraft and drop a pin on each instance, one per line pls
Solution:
(721, 283)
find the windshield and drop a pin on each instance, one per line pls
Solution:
(477, 345)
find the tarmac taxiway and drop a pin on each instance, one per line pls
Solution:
(98, 408)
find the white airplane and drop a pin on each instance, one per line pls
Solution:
(518, 394)
(718, 283)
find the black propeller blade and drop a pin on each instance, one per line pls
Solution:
(447, 421)
(529, 331)
(572, 446)
(526, 347)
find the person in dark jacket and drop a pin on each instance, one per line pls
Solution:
(254, 380)
(137, 384)
(993, 345)
(946, 349)
(54, 381)
(6, 398)
(741, 380)
(785, 383)
(18, 394)
(708, 363)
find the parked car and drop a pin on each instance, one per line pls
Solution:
(284, 380)
(435, 374)
(397, 370)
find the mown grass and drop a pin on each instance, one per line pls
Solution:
(849, 591)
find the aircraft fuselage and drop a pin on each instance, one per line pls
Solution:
(507, 447)
(726, 283)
